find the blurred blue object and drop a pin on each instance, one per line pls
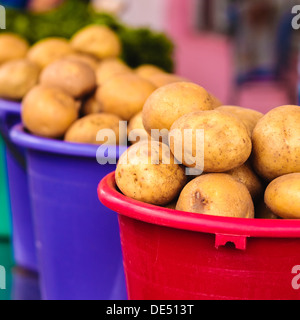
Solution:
(284, 41)
(14, 3)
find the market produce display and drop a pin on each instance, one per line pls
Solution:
(75, 78)
(109, 68)
(248, 116)
(136, 125)
(98, 41)
(85, 130)
(276, 143)
(227, 144)
(64, 84)
(138, 178)
(248, 177)
(17, 77)
(48, 50)
(73, 87)
(48, 111)
(124, 95)
(282, 196)
(216, 194)
(12, 47)
(244, 152)
(169, 103)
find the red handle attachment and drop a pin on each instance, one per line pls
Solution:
(240, 242)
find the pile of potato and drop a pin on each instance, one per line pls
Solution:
(70, 89)
(251, 160)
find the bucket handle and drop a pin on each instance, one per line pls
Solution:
(240, 242)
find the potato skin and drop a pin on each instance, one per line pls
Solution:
(136, 123)
(91, 61)
(246, 175)
(90, 106)
(276, 143)
(124, 95)
(109, 68)
(12, 47)
(218, 195)
(170, 102)
(248, 116)
(163, 79)
(17, 78)
(48, 111)
(76, 78)
(49, 50)
(98, 41)
(282, 196)
(85, 130)
(227, 144)
(146, 71)
(157, 184)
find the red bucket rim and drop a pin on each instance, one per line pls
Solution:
(259, 228)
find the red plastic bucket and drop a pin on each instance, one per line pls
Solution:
(176, 255)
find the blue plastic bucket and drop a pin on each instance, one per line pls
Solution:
(22, 225)
(79, 250)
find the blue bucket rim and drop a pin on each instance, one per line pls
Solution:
(29, 141)
(10, 106)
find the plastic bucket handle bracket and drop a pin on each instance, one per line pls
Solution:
(240, 242)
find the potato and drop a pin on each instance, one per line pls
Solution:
(170, 102)
(162, 79)
(216, 194)
(263, 212)
(146, 71)
(157, 183)
(227, 144)
(85, 129)
(12, 47)
(48, 111)
(248, 116)
(90, 106)
(99, 41)
(76, 78)
(282, 196)
(246, 175)
(109, 68)
(124, 95)
(91, 61)
(276, 143)
(49, 50)
(136, 123)
(17, 77)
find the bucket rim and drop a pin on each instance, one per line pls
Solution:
(240, 227)
(27, 140)
(11, 106)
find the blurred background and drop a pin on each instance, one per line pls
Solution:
(244, 51)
